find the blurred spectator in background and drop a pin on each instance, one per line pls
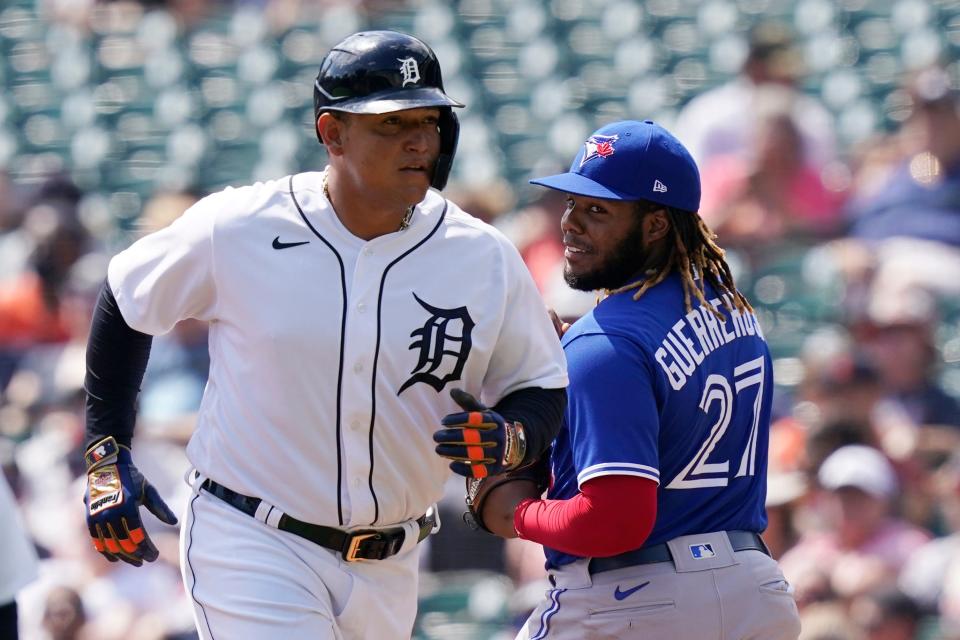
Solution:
(14, 248)
(898, 333)
(36, 304)
(837, 398)
(886, 614)
(7, 204)
(859, 544)
(488, 202)
(931, 576)
(723, 122)
(769, 193)
(906, 218)
(63, 614)
(163, 208)
(30, 301)
(826, 621)
(918, 199)
(787, 484)
(844, 389)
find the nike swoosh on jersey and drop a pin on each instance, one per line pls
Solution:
(286, 245)
(621, 595)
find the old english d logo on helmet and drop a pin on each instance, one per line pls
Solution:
(376, 72)
(598, 146)
(410, 71)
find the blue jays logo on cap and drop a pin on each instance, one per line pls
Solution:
(598, 146)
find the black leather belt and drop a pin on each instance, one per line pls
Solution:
(362, 544)
(739, 540)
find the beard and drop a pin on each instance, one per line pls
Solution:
(625, 261)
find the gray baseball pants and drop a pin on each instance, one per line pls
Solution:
(707, 592)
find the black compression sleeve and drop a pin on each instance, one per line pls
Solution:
(540, 411)
(116, 360)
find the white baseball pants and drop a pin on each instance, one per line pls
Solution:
(249, 581)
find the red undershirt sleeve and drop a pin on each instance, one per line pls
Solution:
(611, 515)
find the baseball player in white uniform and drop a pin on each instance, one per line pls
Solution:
(344, 306)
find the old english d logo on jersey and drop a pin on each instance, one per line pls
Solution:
(410, 71)
(444, 344)
(598, 147)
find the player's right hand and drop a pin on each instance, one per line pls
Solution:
(115, 491)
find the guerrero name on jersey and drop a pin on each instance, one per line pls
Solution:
(712, 382)
(271, 265)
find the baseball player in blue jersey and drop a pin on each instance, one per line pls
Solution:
(345, 307)
(651, 526)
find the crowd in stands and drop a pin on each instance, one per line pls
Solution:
(864, 479)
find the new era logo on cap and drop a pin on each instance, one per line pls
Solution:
(659, 186)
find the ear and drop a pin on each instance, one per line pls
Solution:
(656, 226)
(331, 130)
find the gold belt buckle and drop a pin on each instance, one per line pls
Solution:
(350, 555)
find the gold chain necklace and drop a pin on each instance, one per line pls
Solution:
(403, 223)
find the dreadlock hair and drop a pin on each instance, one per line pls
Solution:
(694, 252)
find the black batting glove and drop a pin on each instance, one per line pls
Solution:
(479, 441)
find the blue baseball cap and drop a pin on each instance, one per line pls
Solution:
(632, 160)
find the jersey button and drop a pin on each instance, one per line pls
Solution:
(355, 425)
(361, 307)
(368, 252)
(357, 482)
(358, 367)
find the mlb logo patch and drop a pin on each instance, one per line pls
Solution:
(702, 551)
(103, 450)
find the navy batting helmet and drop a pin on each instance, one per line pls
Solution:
(375, 72)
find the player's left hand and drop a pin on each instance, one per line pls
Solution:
(479, 441)
(115, 491)
(492, 502)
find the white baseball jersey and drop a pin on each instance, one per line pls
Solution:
(332, 357)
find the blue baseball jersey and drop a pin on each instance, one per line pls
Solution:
(677, 397)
